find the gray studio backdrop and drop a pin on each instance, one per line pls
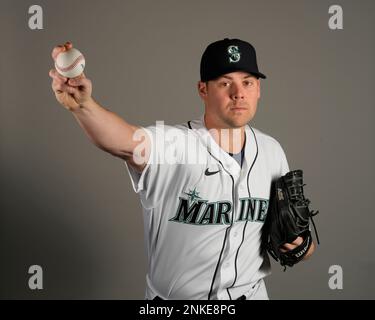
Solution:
(70, 208)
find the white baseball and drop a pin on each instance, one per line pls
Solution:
(70, 63)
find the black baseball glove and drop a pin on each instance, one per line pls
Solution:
(288, 217)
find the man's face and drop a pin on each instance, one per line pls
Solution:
(230, 100)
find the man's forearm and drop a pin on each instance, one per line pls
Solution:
(105, 129)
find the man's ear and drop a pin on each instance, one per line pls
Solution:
(202, 89)
(258, 88)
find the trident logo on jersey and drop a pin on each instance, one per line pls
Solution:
(234, 54)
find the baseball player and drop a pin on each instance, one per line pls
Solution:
(204, 184)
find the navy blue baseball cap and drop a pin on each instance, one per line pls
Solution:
(228, 55)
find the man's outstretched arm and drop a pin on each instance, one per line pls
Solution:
(105, 129)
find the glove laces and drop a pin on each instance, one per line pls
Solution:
(296, 194)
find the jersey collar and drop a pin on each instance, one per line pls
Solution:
(230, 164)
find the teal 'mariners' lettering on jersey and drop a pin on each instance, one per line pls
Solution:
(202, 212)
(253, 209)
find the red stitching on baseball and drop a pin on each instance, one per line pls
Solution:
(75, 62)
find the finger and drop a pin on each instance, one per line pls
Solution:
(61, 87)
(56, 50)
(77, 82)
(55, 75)
(298, 241)
(56, 85)
(57, 82)
(68, 45)
(288, 246)
(61, 48)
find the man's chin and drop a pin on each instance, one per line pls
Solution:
(238, 123)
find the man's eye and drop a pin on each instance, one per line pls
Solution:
(248, 83)
(225, 84)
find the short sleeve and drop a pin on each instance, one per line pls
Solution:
(138, 179)
(284, 166)
(278, 160)
(165, 150)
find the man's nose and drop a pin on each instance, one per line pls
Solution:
(237, 92)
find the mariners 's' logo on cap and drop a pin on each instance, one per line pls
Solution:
(234, 54)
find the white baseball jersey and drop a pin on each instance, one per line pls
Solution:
(203, 220)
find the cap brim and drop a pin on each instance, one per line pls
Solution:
(259, 75)
(254, 73)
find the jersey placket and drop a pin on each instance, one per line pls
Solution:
(228, 267)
